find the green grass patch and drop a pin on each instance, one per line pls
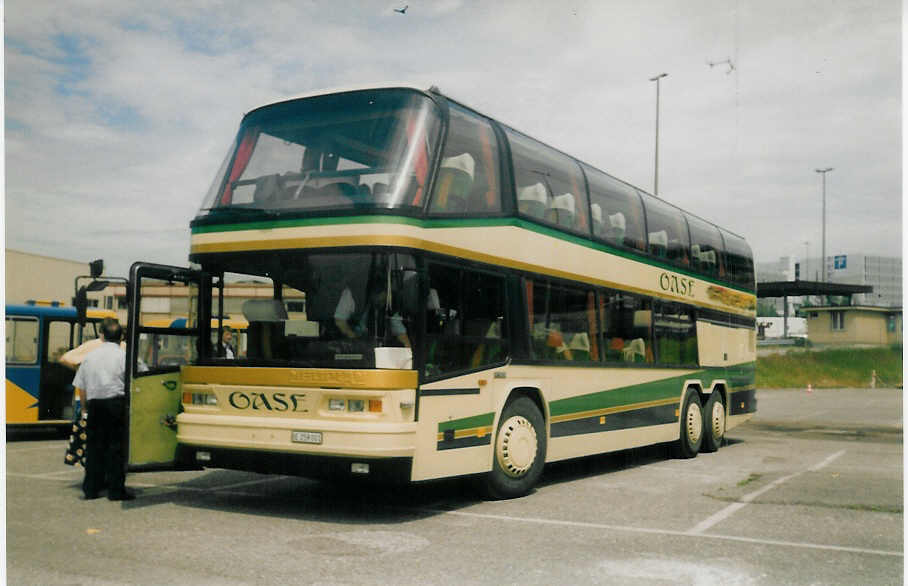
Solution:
(832, 368)
(749, 479)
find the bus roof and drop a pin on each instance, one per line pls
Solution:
(66, 311)
(40, 310)
(346, 89)
(434, 90)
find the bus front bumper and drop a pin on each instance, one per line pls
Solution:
(313, 437)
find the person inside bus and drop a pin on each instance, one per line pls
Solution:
(225, 347)
(370, 320)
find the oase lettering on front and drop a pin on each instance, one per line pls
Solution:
(675, 284)
(268, 401)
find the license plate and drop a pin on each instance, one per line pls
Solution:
(307, 437)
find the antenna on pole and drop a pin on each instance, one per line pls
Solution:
(731, 66)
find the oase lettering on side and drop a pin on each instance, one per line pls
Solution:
(676, 284)
(268, 401)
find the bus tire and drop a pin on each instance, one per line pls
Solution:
(691, 423)
(713, 422)
(519, 451)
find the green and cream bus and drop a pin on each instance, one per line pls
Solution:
(475, 303)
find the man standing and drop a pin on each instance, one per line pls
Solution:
(100, 385)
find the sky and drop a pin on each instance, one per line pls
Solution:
(118, 113)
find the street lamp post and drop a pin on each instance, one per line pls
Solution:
(806, 266)
(656, 172)
(823, 257)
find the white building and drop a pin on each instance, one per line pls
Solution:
(883, 273)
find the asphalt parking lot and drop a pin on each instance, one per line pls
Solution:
(809, 492)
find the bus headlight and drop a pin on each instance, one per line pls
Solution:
(207, 399)
(337, 404)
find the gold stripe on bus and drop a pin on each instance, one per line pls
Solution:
(611, 410)
(300, 377)
(419, 243)
(471, 432)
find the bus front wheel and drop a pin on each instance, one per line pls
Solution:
(520, 447)
(713, 422)
(691, 438)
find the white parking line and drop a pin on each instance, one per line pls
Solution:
(748, 498)
(226, 490)
(604, 526)
(809, 415)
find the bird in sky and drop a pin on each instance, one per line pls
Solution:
(402, 10)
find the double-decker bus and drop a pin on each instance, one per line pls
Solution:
(476, 303)
(38, 386)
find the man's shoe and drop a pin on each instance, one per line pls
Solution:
(91, 497)
(126, 495)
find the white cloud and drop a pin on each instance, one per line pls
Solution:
(156, 92)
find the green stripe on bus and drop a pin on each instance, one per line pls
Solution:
(459, 223)
(482, 420)
(643, 393)
(667, 388)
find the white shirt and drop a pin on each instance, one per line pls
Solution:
(102, 373)
(346, 307)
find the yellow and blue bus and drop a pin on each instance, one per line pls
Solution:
(38, 386)
(476, 302)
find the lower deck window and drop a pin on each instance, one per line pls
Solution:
(627, 327)
(676, 334)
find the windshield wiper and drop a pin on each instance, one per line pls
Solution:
(238, 211)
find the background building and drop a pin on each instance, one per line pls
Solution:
(33, 276)
(883, 273)
(854, 325)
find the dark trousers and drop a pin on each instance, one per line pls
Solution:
(104, 461)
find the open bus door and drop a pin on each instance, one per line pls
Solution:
(154, 356)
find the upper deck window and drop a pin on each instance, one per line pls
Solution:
(740, 260)
(706, 248)
(550, 186)
(617, 212)
(468, 177)
(668, 236)
(369, 149)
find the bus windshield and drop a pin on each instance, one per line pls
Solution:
(359, 310)
(345, 151)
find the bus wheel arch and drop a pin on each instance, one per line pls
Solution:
(518, 447)
(714, 419)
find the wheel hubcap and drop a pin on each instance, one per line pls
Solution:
(516, 446)
(694, 423)
(718, 420)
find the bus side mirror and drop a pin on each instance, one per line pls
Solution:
(96, 268)
(81, 303)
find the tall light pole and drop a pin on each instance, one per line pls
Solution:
(806, 266)
(656, 173)
(823, 257)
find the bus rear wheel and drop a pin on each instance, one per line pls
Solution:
(520, 447)
(691, 438)
(713, 422)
